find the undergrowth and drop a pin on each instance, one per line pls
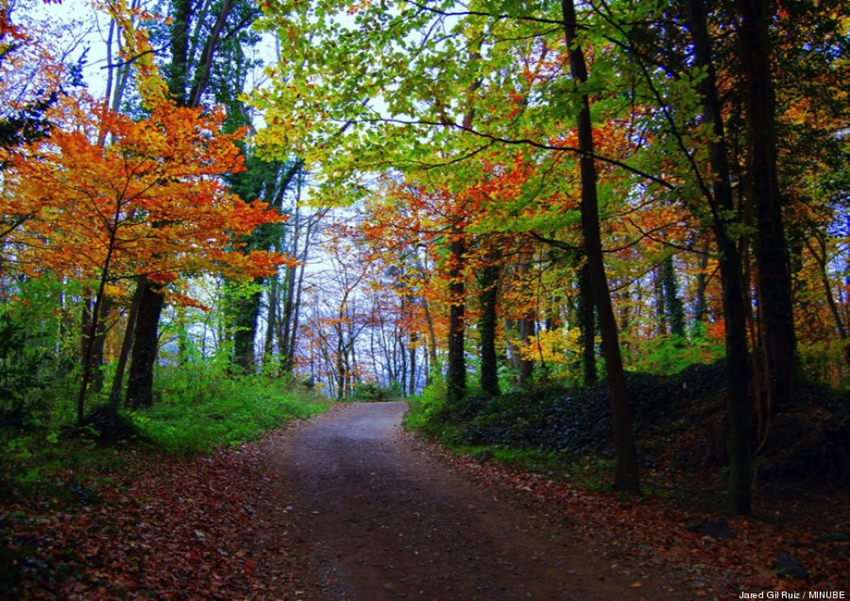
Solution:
(235, 410)
(679, 427)
(227, 411)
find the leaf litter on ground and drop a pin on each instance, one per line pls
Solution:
(213, 527)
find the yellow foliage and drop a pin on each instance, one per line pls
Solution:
(551, 346)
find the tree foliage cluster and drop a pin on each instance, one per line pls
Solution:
(134, 212)
(592, 186)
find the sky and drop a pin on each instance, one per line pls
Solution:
(77, 28)
(83, 31)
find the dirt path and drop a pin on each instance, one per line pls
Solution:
(378, 520)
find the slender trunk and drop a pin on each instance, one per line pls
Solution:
(527, 330)
(626, 471)
(97, 346)
(721, 199)
(587, 323)
(93, 342)
(488, 279)
(271, 326)
(100, 298)
(820, 258)
(126, 345)
(287, 318)
(701, 304)
(456, 378)
(296, 313)
(414, 338)
(432, 342)
(771, 250)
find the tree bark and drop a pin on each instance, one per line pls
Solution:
(145, 344)
(739, 404)
(771, 250)
(456, 376)
(488, 280)
(626, 471)
(126, 345)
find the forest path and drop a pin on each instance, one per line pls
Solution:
(378, 519)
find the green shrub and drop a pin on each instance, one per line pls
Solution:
(228, 412)
(426, 407)
(374, 392)
(26, 369)
(555, 418)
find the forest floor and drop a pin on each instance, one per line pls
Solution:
(349, 506)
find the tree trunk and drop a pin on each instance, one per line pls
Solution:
(488, 279)
(660, 312)
(145, 345)
(246, 316)
(701, 304)
(771, 251)
(98, 345)
(414, 338)
(140, 386)
(286, 326)
(673, 307)
(587, 323)
(456, 377)
(271, 325)
(626, 471)
(732, 283)
(126, 345)
(432, 342)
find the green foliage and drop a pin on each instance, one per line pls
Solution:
(555, 419)
(219, 410)
(825, 360)
(426, 408)
(561, 429)
(23, 367)
(671, 354)
(374, 392)
(33, 356)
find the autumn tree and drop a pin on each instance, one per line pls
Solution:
(633, 117)
(196, 35)
(149, 203)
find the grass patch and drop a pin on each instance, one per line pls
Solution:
(235, 411)
(57, 459)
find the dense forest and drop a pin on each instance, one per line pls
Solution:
(544, 222)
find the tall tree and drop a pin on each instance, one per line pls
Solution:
(456, 375)
(188, 77)
(626, 476)
(776, 310)
(488, 283)
(150, 202)
(724, 214)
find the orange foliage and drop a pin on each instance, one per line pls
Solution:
(106, 194)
